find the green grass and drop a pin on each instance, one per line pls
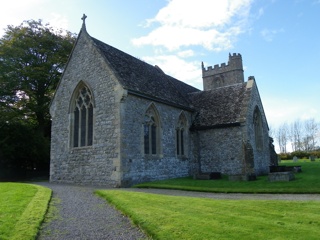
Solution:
(172, 217)
(22, 210)
(306, 182)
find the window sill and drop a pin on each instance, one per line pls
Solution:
(155, 156)
(182, 157)
(72, 149)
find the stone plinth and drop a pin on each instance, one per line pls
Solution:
(207, 175)
(281, 176)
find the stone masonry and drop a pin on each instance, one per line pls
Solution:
(221, 132)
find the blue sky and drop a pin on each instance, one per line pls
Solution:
(279, 40)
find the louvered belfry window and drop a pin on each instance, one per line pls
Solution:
(83, 118)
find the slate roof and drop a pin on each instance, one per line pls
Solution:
(144, 79)
(219, 107)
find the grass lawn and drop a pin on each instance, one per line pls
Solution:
(306, 182)
(22, 210)
(176, 217)
(172, 217)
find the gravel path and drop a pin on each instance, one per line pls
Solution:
(82, 215)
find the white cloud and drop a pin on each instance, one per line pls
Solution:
(58, 21)
(186, 53)
(269, 34)
(175, 37)
(211, 24)
(14, 12)
(188, 72)
(282, 110)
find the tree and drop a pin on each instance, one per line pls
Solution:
(310, 130)
(32, 58)
(283, 137)
(296, 134)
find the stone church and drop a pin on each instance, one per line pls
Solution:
(118, 121)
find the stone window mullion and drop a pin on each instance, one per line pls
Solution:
(83, 119)
(181, 142)
(151, 132)
(181, 136)
(150, 139)
(178, 141)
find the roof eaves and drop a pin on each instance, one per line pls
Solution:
(152, 98)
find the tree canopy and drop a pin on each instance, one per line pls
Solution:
(32, 58)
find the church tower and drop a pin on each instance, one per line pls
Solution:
(224, 75)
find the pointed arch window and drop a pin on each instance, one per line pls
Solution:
(151, 128)
(83, 118)
(181, 134)
(258, 129)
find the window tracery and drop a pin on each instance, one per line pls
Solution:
(83, 118)
(151, 132)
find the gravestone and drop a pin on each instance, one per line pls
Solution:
(281, 176)
(312, 158)
(295, 159)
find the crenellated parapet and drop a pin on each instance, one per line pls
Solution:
(223, 74)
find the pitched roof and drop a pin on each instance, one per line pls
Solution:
(220, 107)
(144, 79)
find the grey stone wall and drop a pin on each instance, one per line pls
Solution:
(117, 157)
(224, 74)
(221, 150)
(136, 167)
(92, 164)
(261, 157)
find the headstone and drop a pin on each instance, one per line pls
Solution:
(295, 159)
(312, 158)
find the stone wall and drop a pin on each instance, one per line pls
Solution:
(261, 157)
(224, 74)
(136, 166)
(221, 150)
(116, 157)
(92, 164)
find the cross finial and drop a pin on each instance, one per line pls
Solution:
(84, 18)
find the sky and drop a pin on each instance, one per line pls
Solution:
(279, 40)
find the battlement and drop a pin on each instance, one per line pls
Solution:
(223, 74)
(234, 63)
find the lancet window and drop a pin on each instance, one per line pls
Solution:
(258, 129)
(151, 132)
(181, 136)
(83, 118)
